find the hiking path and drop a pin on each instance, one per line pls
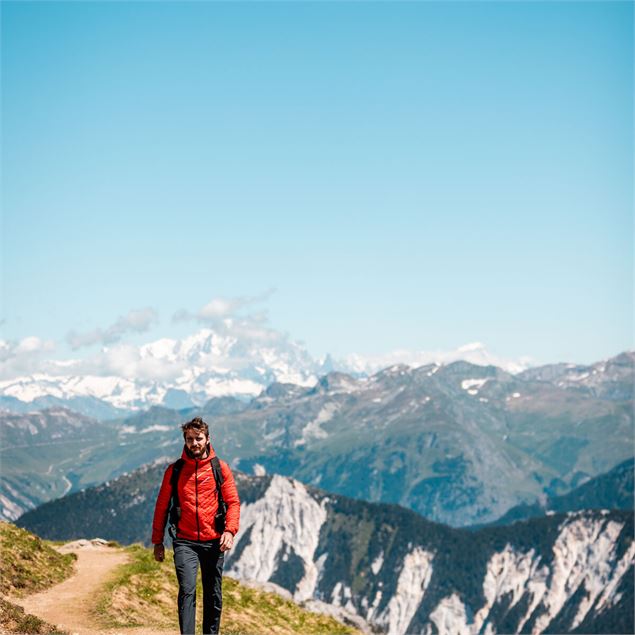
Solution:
(68, 605)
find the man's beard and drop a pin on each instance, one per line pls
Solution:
(199, 454)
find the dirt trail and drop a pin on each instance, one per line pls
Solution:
(68, 604)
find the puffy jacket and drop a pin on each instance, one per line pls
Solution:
(198, 499)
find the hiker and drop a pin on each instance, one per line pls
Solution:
(198, 495)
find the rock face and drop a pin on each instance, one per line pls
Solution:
(400, 573)
(566, 572)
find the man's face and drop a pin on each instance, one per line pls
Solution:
(196, 442)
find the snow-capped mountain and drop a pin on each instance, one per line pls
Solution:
(474, 353)
(180, 373)
(170, 372)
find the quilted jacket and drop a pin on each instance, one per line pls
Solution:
(198, 500)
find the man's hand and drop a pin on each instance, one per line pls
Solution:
(226, 541)
(159, 553)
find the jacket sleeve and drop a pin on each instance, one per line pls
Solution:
(230, 496)
(161, 508)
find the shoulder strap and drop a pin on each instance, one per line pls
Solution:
(218, 477)
(174, 478)
(175, 505)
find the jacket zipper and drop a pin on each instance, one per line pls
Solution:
(198, 528)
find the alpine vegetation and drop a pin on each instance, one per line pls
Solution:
(400, 573)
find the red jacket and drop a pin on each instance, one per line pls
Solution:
(198, 500)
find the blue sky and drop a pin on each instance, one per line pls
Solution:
(378, 176)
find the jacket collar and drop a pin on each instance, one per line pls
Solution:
(185, 455)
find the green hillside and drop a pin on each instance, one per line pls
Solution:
(29, 564)
(612, 490)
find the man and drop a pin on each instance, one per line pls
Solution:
(200, 537)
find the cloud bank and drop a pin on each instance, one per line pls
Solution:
(135, 321)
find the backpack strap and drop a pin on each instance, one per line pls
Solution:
(219, 519)
(175, 505)
(218, 477)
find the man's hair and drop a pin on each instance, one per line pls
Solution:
(195, 424)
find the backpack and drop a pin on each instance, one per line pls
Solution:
(175, 506)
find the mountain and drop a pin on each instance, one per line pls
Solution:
(459, 443)
(56, 451)
(566, 573)
(608, 379)
(234, 358)
(88, 406)
(40, 452)
(612, 490)
(193, 370)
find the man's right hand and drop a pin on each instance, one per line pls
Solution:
(159, 553)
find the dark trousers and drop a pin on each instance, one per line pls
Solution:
(187, 556)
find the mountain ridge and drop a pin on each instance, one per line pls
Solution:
(203, 365)
(458, 443)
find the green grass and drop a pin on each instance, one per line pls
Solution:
(28, 563)
(13, 619)
(143, 593)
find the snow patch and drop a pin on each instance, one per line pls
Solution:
(156, 428)
(377, 563)
(313, 429)
(466, 384)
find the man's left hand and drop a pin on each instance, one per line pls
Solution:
(226, 541)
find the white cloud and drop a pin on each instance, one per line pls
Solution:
(136, 321)
(25, 356)
(235, 346)
(127, 361)
(220, 308)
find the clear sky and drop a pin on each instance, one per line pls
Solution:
(378, 176)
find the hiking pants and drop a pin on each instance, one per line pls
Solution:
(187, 556)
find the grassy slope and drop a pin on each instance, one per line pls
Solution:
(144, 594)
(27, 564)
(13, 619)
